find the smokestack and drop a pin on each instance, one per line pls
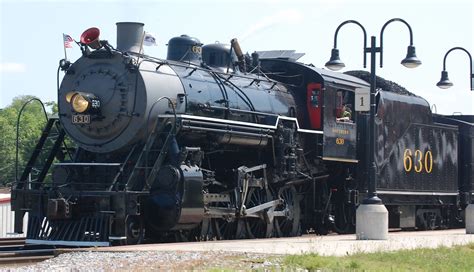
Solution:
(130, 37)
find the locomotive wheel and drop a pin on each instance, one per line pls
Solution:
(289, 225)
(240, 230)
(207, 230)
(345, 218)
(256, 227)
(203, 232)
(225, 229)
(183, 236)
(134, 230)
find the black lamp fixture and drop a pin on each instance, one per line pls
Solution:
(410, 61)
(444, 82)
(335, 62)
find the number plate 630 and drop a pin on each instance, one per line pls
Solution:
(81, 119)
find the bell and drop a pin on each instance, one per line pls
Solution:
(90, 37)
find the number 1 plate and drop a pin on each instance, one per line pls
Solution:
(81, 119)
(362, 100)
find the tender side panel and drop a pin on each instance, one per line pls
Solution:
(424, 159)
(465, 123)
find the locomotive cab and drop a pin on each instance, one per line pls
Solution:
(339, 124)
(325, 102)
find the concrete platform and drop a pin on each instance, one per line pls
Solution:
(335, 245)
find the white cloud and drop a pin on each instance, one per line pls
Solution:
(289, 16)
(12, 67)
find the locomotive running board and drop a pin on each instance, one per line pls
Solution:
(339, 159)
(239, 123)
(417, 193)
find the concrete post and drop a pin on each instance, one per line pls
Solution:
(372, 222)
(470, 219)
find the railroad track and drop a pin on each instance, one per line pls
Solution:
(25, 256)
(12, 241)
(14, 251)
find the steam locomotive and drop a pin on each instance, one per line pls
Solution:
(210, 143)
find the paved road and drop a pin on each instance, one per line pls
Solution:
(336, 245)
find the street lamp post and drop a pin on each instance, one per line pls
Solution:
(373, 216)
(445, 83)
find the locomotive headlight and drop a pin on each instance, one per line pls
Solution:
(69, 96)
(83, 102)
(80, 103)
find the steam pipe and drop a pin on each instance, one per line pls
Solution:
(238, 51)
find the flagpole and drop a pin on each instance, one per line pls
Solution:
(64, 46)
(141, 44)
(141, 47)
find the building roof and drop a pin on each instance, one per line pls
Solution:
(4, 198)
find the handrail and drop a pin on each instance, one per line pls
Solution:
(18, 129)
(147, 148)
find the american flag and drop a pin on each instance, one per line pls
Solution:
(67, 41)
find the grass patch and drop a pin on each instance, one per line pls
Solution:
(458, 258)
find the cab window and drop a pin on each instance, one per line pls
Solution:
(343, 106)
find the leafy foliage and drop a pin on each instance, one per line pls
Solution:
(32, 122)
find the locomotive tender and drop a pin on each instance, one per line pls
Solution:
(212, 144)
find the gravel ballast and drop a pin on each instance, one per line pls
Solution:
(261, 254)
(151, 261)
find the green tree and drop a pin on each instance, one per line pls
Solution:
(31, 123)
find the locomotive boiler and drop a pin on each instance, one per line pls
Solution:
(210, 143)
(108, 100)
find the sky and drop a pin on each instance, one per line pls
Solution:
(31, 37)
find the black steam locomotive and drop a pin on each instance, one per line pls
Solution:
(214, 144)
